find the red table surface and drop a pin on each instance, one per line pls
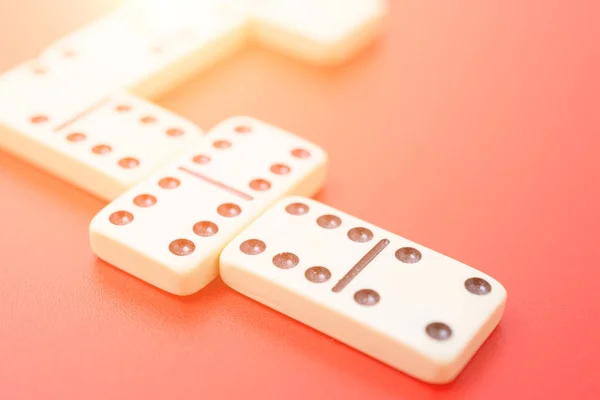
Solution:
(471, 127)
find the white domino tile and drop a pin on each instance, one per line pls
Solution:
(402, 303)
(150, 50)
(318, 31)
(84, 133)
(170, 229)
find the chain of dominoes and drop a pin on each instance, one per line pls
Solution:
(186, 207)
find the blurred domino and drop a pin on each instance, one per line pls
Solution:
(150, 48)
(100, 142)
(170, 229)
(408, 306)
(318, 31)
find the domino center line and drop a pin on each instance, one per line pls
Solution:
(217, 184)
(81, 115)
(360, 265)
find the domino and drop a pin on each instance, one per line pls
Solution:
(148, 49)
(414, 309)
(170, 229)
(81, 132)
(324, 32)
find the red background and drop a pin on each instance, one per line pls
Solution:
(472, 127)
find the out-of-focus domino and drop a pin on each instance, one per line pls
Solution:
(406, 305)
(318, 31)
(150, 48)
(170, 229)
(101, 142)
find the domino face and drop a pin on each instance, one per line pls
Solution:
(170, 229)
(150, 48)
(45, 88)
(408, 306)
(101, 142)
